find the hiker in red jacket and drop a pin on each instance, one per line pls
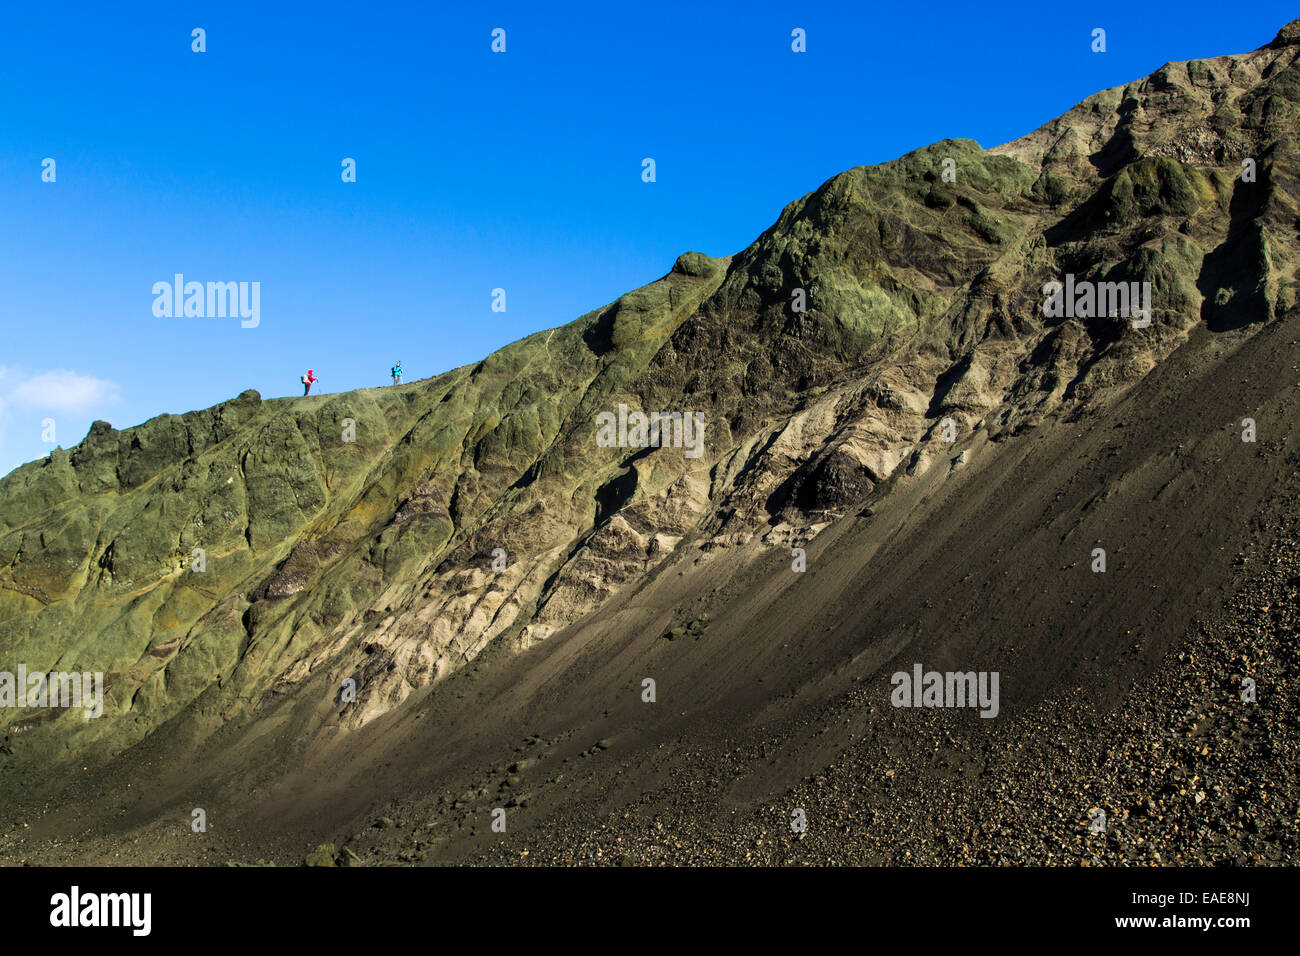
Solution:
(307, 381)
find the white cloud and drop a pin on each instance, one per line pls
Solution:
(63, 391)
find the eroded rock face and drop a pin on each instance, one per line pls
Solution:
(839, 481)
(478, 508)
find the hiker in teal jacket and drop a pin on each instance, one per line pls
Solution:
(397, 374)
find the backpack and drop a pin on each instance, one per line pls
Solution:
(304, 380)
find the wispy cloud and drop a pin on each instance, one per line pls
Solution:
(62, 391)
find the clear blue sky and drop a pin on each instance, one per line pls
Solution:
(475, 170)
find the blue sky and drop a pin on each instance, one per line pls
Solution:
(475, 170)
